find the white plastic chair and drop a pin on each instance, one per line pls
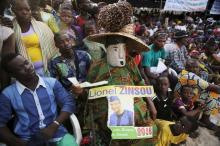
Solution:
(76, 128)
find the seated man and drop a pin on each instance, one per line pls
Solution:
(33, 100)
(151, 58)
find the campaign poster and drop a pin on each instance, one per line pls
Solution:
(121, 109)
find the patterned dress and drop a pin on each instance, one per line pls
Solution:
(127, 75)
(211, 99)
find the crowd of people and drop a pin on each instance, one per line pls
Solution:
(43, 43)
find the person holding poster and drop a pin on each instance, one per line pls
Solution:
(120, 116)
(118, 68)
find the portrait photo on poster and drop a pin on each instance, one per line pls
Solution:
(120, 111)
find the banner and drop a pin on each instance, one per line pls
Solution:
(185, 5)
(122, 91)
(215, 8)
(121, 109)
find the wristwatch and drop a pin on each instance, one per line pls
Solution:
(57, 123)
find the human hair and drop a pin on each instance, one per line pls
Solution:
(66, 6)
(189, 62)
(114, 98)
(159, 34)
(6, 59)
(183, 87)
(14, 2)
(161, 78)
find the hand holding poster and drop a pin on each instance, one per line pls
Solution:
(121, 115)
(185, 5)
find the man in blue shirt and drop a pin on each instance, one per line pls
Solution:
(33, 100)
(120, 117)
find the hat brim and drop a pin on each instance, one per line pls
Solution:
(132, 43)
(179, 37)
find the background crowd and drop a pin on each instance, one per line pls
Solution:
(50, 38)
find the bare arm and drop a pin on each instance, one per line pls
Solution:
(147, 82)
(190, 113)
(9, 45)
(7, 137)
(149, 74)
(152, 108)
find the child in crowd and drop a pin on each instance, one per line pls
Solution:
(67, 21)
(184, 105)
(175, 132)
(163, 99)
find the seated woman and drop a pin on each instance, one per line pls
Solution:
(71, 62)
(34, 39)
(184, 105)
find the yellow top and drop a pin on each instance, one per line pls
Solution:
(32, 44)
(165, 136)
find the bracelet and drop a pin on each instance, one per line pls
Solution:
(57, 123)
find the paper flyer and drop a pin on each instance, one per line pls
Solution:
(121, 109)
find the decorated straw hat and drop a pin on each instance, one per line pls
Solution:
(115, 20)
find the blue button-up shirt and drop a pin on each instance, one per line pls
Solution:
(36, 109)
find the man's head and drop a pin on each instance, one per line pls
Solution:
(115, 104)
(187, 93)
(192, 65)
(163, 84)
(116, 51)
(35, 9)
(90, 28)
(185, 125)
(160, 39)
(22, 10)
(181, 37)
(18, 67)
(65, 41)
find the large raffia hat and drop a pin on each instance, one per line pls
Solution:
(115, 20)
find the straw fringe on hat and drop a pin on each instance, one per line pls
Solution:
(131, 41)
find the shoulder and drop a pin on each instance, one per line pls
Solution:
(81, 53)
(10, 89)
(5, 32)
(99, 63)
(128, 112)
(49, 81)
(42, 24)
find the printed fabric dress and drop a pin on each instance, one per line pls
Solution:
(127, 75)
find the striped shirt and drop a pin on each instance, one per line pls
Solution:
(36, 109)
